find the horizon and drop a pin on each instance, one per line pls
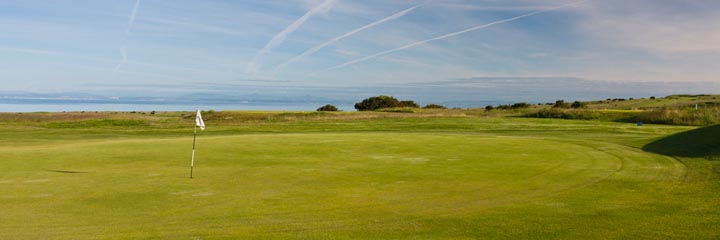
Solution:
(463, 52)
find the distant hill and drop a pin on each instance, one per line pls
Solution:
(672, 101)
(673, 109)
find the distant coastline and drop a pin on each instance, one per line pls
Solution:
(105, 107)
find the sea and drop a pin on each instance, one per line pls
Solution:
(93, 107)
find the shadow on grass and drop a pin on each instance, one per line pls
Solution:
(63, 171)
(698, 143)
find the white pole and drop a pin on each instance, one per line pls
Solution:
(192, 161)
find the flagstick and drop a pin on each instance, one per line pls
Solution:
(192, 162)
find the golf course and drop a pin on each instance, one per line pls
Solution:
(445, 174)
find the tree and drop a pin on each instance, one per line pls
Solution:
(328, 108)
(375, 103)
(434, 106)
(578, 104)
(520, 105)
(561, 104)
(489, 108)
(409, 104)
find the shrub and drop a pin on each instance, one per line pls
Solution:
(328, 108)
(561, 104)
(434, 106)
(379, 102)
(520, 105)
(512, 107)
(489, 108)
(409, 104)
(578, 104)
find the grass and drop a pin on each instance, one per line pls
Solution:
(701, 142)
(691, 110)
(426, 175)
(672, 101)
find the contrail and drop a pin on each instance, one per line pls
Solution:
(331, 41)
(123, 50)
(28, 51)
(280, 37)
(447, 36)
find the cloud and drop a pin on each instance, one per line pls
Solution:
(338, 38)
(534, 6)
(280, 37)
(658, 26)
(67, 55)
(449, 35)
(123, 49)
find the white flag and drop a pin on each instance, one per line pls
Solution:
(199, 121)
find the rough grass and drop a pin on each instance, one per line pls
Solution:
(270, 175)
(672, 101)
(678, 116)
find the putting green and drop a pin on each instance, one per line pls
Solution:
(300, 185)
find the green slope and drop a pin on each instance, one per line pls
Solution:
(352, 177)
(697, 143)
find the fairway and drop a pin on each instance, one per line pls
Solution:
(344, 184)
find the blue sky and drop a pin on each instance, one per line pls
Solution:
(166, 45)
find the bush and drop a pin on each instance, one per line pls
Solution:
(489, 108)
(409, 104)
(328, 108)
(379, 102)
(578, 104)
(434, 106)
(512, 107)
(561, 104)
(520, 105)
(375, 103)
